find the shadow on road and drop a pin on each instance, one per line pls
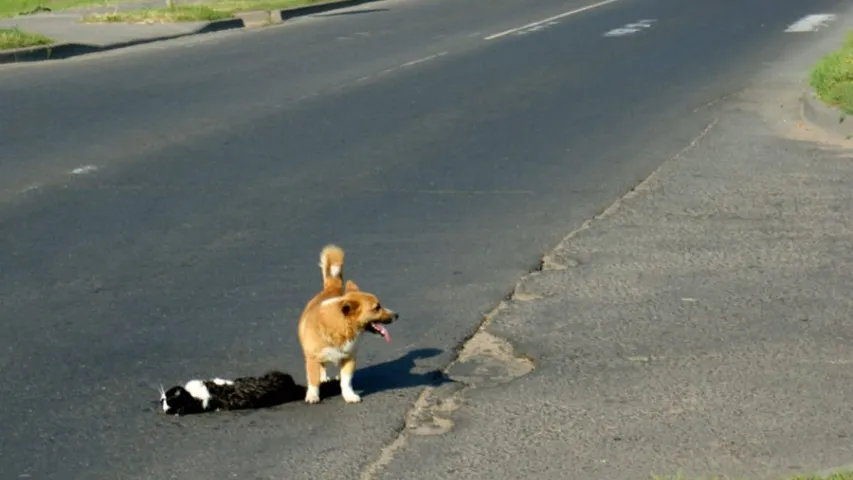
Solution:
(393, 375)
(397, 374)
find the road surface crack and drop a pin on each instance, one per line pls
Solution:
(486, 360)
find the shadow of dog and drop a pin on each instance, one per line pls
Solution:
(397, 374)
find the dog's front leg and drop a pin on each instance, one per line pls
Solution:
(312, 370)
(347, 371)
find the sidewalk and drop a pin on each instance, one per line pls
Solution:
(700, 326)
(74, 37)
(66, 28)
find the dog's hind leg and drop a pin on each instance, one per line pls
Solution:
(312, 370)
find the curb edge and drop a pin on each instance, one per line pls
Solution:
(830, 119)
(58, 51)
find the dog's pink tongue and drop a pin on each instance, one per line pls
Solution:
(383, 332)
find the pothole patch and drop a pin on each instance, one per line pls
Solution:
(526, 297)
(431, 413)
(485, 361)
(488, 360)
(435, 426)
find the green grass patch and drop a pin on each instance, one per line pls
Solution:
(206, 12)
(834, 476)
(14, 38)
(10, 8)
(183, 13)
(832, 79)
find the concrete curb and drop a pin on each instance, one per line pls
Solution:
(250, 19)
(821, 115)
(59, 51)
(296, 12)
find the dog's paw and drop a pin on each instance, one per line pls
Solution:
(312, 397)
(351, 397)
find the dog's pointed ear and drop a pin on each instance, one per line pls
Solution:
(352, 287)
(349, 307)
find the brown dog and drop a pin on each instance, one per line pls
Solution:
(331, 325)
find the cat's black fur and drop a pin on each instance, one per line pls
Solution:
(271, 389)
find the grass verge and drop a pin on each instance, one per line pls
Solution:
(832, 78)
(183, 13)
(206, 12)
(14, 38)
(11, 8)
(834, 476)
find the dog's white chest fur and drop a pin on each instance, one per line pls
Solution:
(336, 354)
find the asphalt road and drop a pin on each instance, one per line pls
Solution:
(211, 171)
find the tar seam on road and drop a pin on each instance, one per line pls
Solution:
(549, 19)
(386, 455)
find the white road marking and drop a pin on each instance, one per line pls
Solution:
(84, 170)
(421, 60)
(630, 28)
(30, 188)
(810, 23)
(536, 28)
(549, 19)
(350, 83)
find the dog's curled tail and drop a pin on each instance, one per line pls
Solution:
(332, 266)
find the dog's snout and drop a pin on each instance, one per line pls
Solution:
(395, 315)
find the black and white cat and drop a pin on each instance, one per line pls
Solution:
(199, 396)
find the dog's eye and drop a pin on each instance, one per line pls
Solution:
(378, 307)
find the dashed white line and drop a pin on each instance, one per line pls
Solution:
(30, 188)
(810, 23)
(407, 64)
(549, 19)
(630, 28)
(82, 170)
(421, 60)
(386, 71)
(537, 28)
